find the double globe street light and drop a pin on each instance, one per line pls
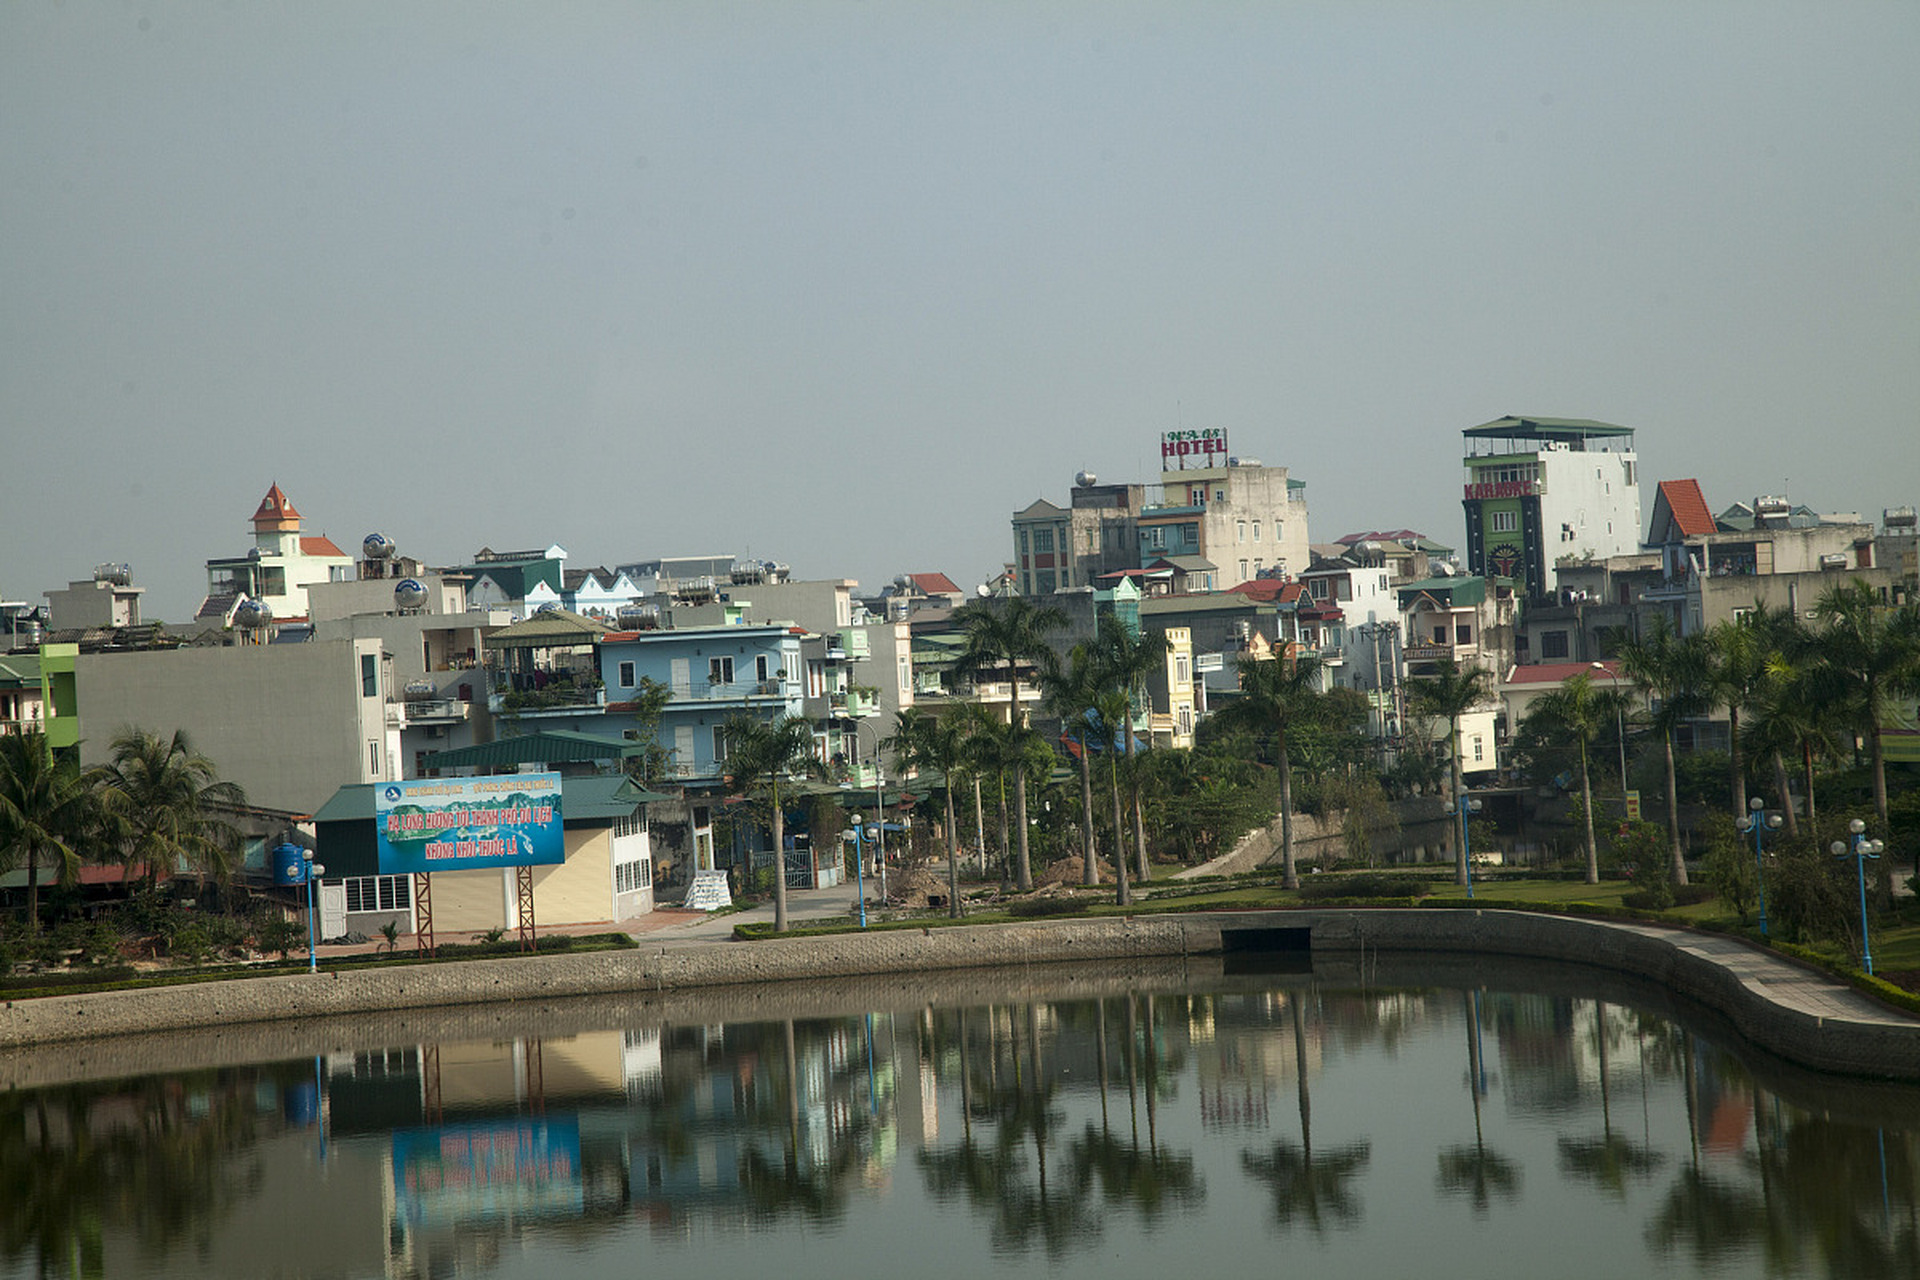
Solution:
(1759, 823)
(1465, 806)
(1862, 849)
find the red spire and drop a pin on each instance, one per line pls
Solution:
(276, 511)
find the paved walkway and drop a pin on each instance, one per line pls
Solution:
(1776, 978)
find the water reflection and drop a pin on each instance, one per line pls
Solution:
(1127, 1134)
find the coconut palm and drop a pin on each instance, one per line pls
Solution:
(1127, 659)
(1581, 711)
(1672, 670)
(47, 807)
(164, 802)
(1872, 654)
(1110, 708)
(1448, 693)
(1002, 636)
(761, 755)
(937, 743)
(1278, 696)
(1070, 692)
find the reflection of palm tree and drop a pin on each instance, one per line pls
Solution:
(1609, 1160)
(1476, 1172)
(1312, 1187)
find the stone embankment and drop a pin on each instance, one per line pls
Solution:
(1801, 1016)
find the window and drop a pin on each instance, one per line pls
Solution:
(1439, 635)
(1240, 533)
(1243, 571)
(373, 758)
(1463, 634)
(1256, 531)
(719, 744)
(1503, 521)
(378, 893)
(1219, 495)
(1553, 644)
(1042, 540)
(762, 669)
(632, 877)
(1180, 672)
(720, 670)
(369, 675)
(626, 675)
(1477, 752)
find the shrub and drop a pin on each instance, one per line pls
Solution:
(1369, 885)
(1035, 908)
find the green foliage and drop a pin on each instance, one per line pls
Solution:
(279, 935)
(1365, 885)
(1037, 908)
(1729, 864)
(1640, 854)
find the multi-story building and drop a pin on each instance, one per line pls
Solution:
(279, 568)
(1540, 490)
(108, 599)
(1242, 518)
(1059, 548)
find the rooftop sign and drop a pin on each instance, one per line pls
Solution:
(1205, 446)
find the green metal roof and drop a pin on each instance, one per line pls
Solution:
(552, 746)
(554, 629)
(1458, 591)
(1512, 428)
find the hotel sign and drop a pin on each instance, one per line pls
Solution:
(1501, 489)
(468, 824)
(1203, 445)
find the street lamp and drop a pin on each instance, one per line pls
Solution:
(1465, 806)
(879, 801)
(1759, 823)
(312, 869)
(1620, 736)
(1862, 849)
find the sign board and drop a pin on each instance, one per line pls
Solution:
(468, 824)
(1633, 806)
(1207, 447)
(1485, 489)
(708, 892)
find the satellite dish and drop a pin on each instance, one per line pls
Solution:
(983, 591)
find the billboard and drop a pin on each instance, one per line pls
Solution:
(468, 824)
(464, 1174)
(1203, 446)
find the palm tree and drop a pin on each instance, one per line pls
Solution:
(1672, 670)
(1279, 696)
(1070, 693)
(1872, 654)
(1582, 712)
(1447, 694)
(164, 800)
(760, 754)
(1111, 707)
(924, 741)
(1005, 635)
(47, 806)
(1737, 653)
(1126, 659)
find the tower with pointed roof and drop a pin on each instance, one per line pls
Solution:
(277, 570)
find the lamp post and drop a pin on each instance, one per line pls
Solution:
(1758, 823)
(311, 869)
(879, 802)
(1465, 806)
(1620, 736)
(1862, 849)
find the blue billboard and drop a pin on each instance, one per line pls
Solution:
(468, 824)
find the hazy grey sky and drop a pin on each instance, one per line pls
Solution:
(847, 284)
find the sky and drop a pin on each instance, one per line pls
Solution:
(846, 284)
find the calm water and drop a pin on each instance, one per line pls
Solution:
(1537, 1126)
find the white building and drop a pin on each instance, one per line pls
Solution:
(278, 570)
(1539, 490)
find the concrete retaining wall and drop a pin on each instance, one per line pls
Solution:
(1869, 1041)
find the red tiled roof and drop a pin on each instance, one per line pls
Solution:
(934, 584)
(1544, 673)
(1689, 507)
(275, 506)
(319, 546)
(1270, 590)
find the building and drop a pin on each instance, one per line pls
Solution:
(1242, 518)
(279, 568)
(108, 599)
(1540, 491)
(1058, 548)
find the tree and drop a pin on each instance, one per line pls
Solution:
(46, 808)
(760, 755)
(924, 741)
(1278, 696)
(1447, 694)
(1792, 713)
(1071, 693)
(1582, 712)
(1672, 670)
(1126, 659)
(1003, 635)
(1111, 707)
(164, 801)
(1737, 653)
(1872, 654)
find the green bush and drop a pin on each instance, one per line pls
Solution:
(1036, 908)
(1367, 885)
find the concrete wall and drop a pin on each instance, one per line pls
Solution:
(1862, 1038)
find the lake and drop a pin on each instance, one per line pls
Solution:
(1436, 1117)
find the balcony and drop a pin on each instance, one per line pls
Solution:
(856, 704)
(430, 711)
(558, 694)
(742, 691)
